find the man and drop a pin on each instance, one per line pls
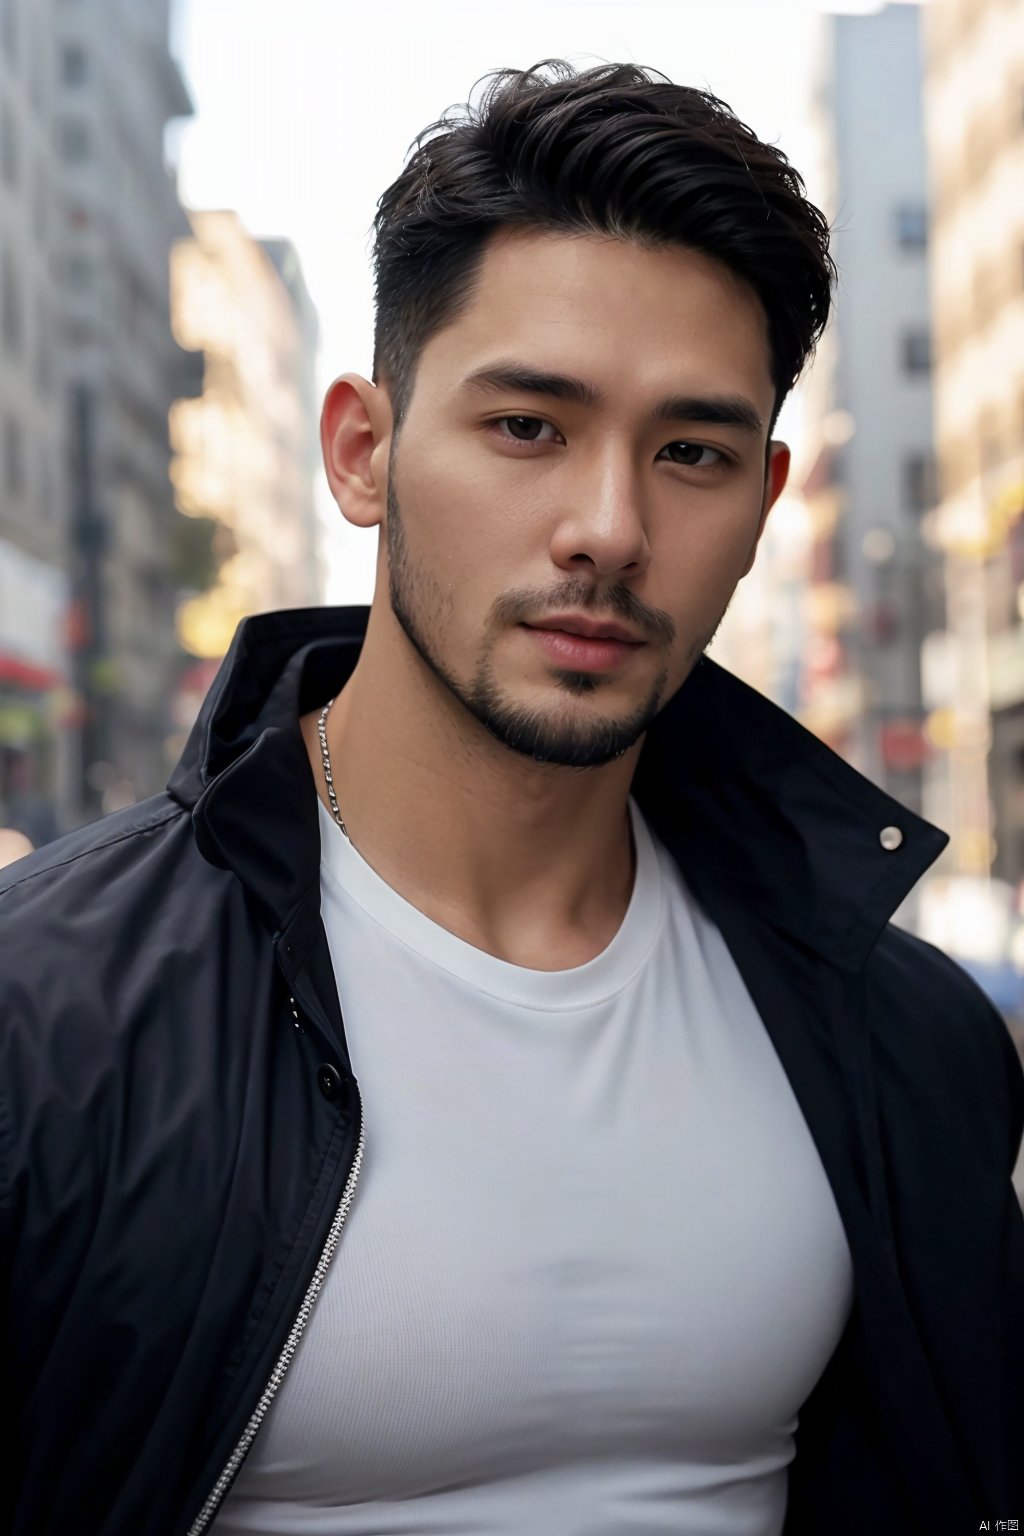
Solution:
(484, 1093)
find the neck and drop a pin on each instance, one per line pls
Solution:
(531, 862)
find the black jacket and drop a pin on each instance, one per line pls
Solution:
(181, 1130)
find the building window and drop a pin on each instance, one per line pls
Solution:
(79, 271)
(979, 146)
(44, 356)
(74, 142)
(40, 195)
(8, 147)
(72, 64)
(916, 350)
(131, 304)
(986, 292)
(918, 482)
(9, 29)
(14, 464)
(40, 50)
(960, 464)
(11, 318)
(1015, 549)
(911, 226)
(991, 453)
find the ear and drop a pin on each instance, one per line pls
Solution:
(774, 484)
(355, 436)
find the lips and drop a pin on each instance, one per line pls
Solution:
(573, 651)
(587, 629)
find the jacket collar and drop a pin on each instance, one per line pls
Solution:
(745, 798)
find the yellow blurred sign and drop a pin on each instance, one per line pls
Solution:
(947, 731)
(978, 533)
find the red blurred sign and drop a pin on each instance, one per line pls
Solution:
(904, 745)
(77, 628)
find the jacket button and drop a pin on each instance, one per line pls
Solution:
(328, 1080)
(890, 838)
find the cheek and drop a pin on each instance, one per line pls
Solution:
(715, 552)
(450, 506)
(696, 579)
(475, 534)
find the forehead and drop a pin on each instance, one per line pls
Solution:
(610, 310)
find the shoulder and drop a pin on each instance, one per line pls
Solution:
(78, 898)
(82, 917)
(69, 907)
(923, 991)
(73, 912)
(111, 946)
(936, 1038)
(113, 841)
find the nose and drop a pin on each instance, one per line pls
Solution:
(604, 524)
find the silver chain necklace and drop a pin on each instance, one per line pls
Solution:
(328, 775)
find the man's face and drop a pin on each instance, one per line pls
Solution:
(512, 511)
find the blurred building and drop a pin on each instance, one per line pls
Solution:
(875, 585)
(246, 447)
(975, 660)
(117, 86)
(764, 637)
(286, 259)
(35, 698)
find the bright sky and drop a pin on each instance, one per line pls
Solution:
(305, 113)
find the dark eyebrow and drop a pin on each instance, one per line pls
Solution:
(511, 377)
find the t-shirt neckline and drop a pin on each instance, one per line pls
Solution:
(351, 877)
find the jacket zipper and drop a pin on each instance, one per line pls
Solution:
(291, 1344)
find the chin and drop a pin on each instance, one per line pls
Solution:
(559, 731)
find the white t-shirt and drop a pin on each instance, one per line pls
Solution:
(593, 1266)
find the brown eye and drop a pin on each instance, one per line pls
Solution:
(690, 455)
(529, 421)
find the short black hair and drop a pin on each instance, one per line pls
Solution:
(615, 150)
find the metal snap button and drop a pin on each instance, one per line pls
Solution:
(890, 838)
(328, 1080)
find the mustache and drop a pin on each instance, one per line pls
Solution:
(516, 606)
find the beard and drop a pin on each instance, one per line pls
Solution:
(555, 735)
